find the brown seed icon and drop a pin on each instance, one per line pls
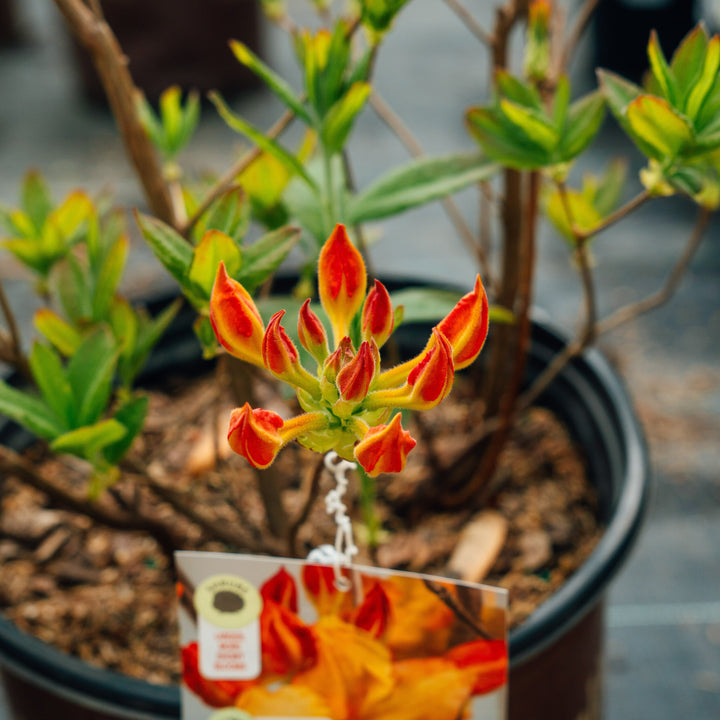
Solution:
(228, 601)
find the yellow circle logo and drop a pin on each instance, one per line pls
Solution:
(227, 601)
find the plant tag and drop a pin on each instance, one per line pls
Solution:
(275, 638)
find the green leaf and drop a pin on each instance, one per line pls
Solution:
(561, 102)
(583, 122)
(49, 375)
(210, 251)
(229, 214)
(109, 278)
(202, 327)
(149, 121)
(90, 372)
(87, 441)
(36, 199)
(172, 119)
(700, 91)
(170, 248)
(27, 251)
(76, 209)
(609, 190)
(654, 123)
(303, 206)
(418, 183)
(265, 256)
(688, 59)
(71, 282)
(661, 70)
(517, 91)
(583, 215)
(274, 82)
(124, 323)
(532, 123)
(61, 334)
(500, 145)
(339, 120)
(265, 143)
(131, 415)
(29, 411)
(619, 93)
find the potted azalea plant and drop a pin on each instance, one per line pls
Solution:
(349, 399)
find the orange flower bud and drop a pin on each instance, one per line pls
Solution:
(489, 658)
(466, 326)
(312, 333)
(432, 378)
(235, 319)
(281, 356)
(385, 448)
(281, 589)
(288, 644)
(374, 611)
(337, 360)
(341, 280)
(254, 435)
(353, 380)
(378, 318)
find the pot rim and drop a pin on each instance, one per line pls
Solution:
(36, 661)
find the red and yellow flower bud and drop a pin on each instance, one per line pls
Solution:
(338, 359)
(373, 614)
(385, 448)
(341, 280)
(378, 317)
(432, 378)
(235, 319)
(312, 333)
(466, 326)
(354, 378)
(288, 644)
(281, 589)
(281, 357)
(255, 435)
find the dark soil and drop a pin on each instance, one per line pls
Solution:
(108, 595)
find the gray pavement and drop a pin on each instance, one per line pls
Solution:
(663, 654)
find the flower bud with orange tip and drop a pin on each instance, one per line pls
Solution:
(312, 333)
(353, 380)
(336, 361)
(235, 319)
(385, 448)
(281, 358)
(342, 281)
(281, 589)
(378, 318)
(466, 326)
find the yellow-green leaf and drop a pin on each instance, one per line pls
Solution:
(582, 215)
(661, 70)
(653, 121)
(340, 118)
(531, 123)
(61, 334)
(76, 208)
(707, 78)
(214, 247)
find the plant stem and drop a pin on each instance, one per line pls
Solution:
(611, 219)
(97, 37)
(582, 19)
(368, 498)
(228, 178)
(470, 22)
(11, 345)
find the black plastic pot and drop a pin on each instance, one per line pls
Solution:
(556, 654)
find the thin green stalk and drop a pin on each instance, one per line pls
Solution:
(368, 498)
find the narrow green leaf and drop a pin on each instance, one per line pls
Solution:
(90, 372)
(76, 209)
(418, 183)
(27, 251)
(610, 188)
(124, 323)
(532, 123)
(36, 199)
(661, 70)
(71, 281)
(108, 279)
(339, 120)
(131, 416)
(687, 61)
(584, 119)
(274, 82)
(264, 143)
(698, 95)
(658, 126)
(60, 333)
(29, 411)
(87, 441)
(170, 248)
(49, 375)
(229, 214)
(561, 103)
(213, 248)
(513, 89)
(265, 256)
(149, 121)
(171, 118)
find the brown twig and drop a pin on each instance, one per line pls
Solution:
(228, 178)
(611, 219)
(311, 495)
(402, 132)
(11, 350)
(470, 22)
(582, 19)
(97, 37)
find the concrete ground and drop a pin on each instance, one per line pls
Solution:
(663, 653)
